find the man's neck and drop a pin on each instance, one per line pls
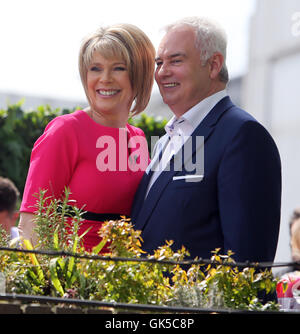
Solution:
(178, 111)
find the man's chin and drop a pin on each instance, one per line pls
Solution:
(170, 101)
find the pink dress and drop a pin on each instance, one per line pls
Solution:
(94, 161)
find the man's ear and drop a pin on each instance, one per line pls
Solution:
(3, 215)
(215, 65)
(8, 220)
(4, 220)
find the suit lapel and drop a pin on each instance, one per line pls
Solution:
(162, 181)
(205, 129)
(142, 189)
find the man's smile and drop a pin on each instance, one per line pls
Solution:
(170, 84)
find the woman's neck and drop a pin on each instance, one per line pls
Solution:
(109, 121)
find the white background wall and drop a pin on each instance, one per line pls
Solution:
(271, 93)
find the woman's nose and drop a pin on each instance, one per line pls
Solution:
(106, 76)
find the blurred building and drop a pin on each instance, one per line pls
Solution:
(271, 94)
(31, 102)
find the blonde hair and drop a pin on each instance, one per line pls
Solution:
(129, 43)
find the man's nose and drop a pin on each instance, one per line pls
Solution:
(164, 70)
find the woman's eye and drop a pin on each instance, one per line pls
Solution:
(95, 69)
(120, 68)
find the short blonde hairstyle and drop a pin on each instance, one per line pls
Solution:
(129, 43)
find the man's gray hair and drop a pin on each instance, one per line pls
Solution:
(210, 38)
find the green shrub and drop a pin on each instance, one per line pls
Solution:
(18, 132)
(217, 286)
(150, 125)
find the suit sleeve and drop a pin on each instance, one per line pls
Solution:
(249, 194)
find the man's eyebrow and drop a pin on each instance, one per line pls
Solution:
(178, 54)
(174, 55)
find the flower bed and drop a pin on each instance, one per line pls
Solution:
(125, 275)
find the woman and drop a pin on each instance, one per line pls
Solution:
(85, 150)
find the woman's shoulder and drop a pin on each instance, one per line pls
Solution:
(135, 131)
(62, 127)
(66, 120)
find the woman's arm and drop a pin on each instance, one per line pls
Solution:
(26, 227)
(56, 147)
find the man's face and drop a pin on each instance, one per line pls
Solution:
(8, 220)
(295, 240)
(182, 79)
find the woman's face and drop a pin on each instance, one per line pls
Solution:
(108, 86)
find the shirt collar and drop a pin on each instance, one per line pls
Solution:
(194, 116)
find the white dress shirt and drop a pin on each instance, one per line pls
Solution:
(179, 130)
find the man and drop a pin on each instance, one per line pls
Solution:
(234, 201)
(8, 199)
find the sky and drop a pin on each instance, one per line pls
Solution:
(40, 39)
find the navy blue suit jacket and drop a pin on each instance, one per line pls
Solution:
(236, 206)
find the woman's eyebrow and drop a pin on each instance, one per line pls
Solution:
(113, 64)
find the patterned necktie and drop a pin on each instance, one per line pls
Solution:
(173, 128)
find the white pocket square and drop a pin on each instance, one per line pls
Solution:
(189, 178)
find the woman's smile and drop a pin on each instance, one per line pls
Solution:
(109, 87)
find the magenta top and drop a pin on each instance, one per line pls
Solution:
(93, 160)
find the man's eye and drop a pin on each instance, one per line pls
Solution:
(158, 63)
(176, 61)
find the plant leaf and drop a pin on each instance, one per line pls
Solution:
(34, 260)
(54, 277)
(97, 249)
(84, 233)
(55, 238)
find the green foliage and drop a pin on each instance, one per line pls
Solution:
(19, 129)
(130, 282)
(4, 237)
(54, 228)
(18, 132)
(218, 285)
(223, 287)
(150, 125)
